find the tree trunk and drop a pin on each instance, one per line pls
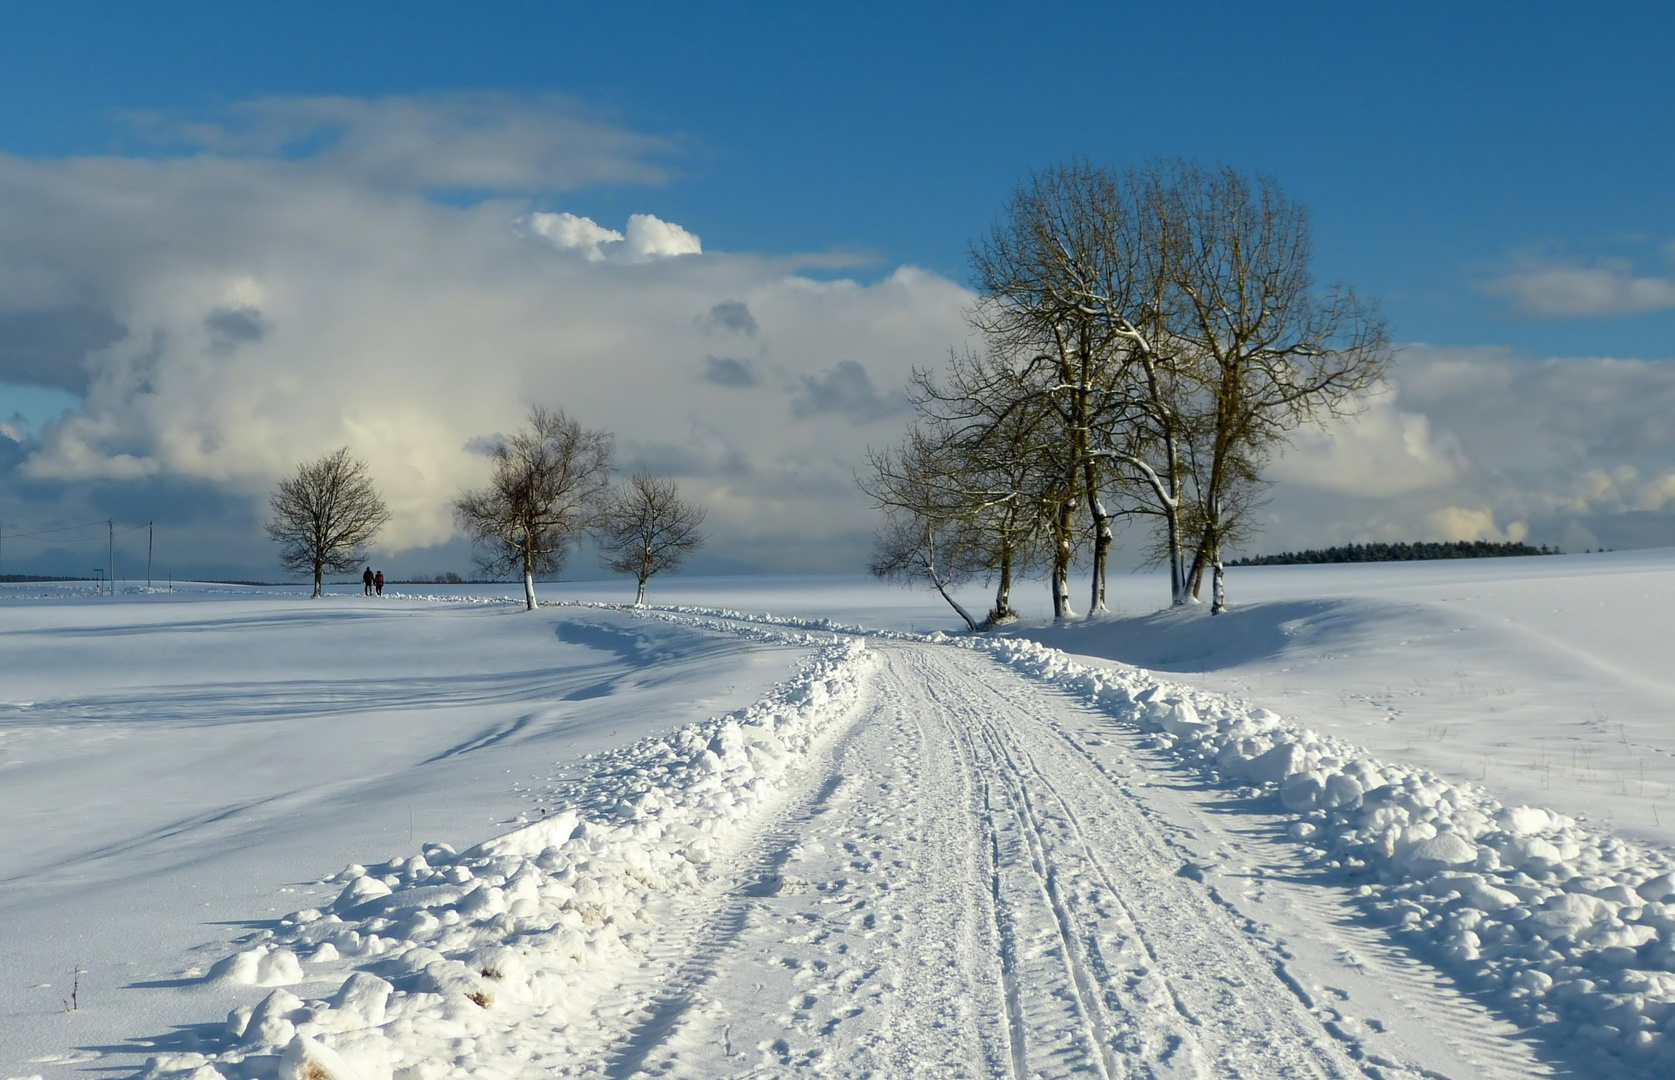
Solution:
(1102, 541)
(640, 595)
(1177, 569)
(528, 580)
(1168, 486)
(1062, 522)
(971, 624)
(318, 571)
(1209, 547)
(1003, 591)
(1081, 445)
(1218, 588)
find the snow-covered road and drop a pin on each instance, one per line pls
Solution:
(974, 882)
(963, 891)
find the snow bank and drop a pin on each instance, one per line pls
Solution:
(747, 623)
(488, 960)
(1566, 929)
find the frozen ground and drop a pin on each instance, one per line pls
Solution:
(281, 837)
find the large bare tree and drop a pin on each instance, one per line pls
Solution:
(1267, 351)
(546, 488)
(325, 515)
(1063, 241)
(647, 528)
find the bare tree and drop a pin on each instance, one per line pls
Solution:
(547, 484)
(1064, 241)
(930, 511)
(647, 528)
(914, 548)
(1266, 351)
(1075, 280)
(1168, 317)
(965, 485)
(325, 515)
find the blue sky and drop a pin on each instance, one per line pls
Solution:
(1496, 176)
(1438, 147)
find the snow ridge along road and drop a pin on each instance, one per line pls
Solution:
(922, 859)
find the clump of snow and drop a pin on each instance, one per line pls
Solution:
(1565, 928)
(450, 956)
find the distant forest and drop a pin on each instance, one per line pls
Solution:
(1353, 553)
(20, 579)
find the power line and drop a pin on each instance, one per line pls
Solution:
(51, 536)
(110, 526)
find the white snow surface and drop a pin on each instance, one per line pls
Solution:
(1388, 821)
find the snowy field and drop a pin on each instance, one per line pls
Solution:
(1389, 821)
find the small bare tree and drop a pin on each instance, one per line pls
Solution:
(325, 515)
(916, 548)
(647, 528)
(962, 493)
(545, 491)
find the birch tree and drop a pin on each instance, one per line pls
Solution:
(647, 528)
(545, 489)
(325, 516)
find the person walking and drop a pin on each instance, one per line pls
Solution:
(366, 579)
(379, 582)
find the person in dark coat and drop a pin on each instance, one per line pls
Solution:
(366, 579)
(379, 582)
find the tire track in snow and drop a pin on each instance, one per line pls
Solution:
(952, 810)
(1341, 948)
(1114, 970)
(695, 933)
(1202, 987)
(690, 952)
(1033, 1028)
(769, 972)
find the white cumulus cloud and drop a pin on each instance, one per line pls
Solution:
(648, 237)
(653, 238)
(1573, 451)
(1381, 451)
(567, 232)
(1471, 524)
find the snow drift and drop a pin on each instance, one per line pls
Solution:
(453, 958)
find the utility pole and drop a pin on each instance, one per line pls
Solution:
(110, 551)
(149, 529)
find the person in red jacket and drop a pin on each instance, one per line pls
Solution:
(378, 581)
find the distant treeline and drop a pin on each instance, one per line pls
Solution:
(1354, 553)
(25, 578)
